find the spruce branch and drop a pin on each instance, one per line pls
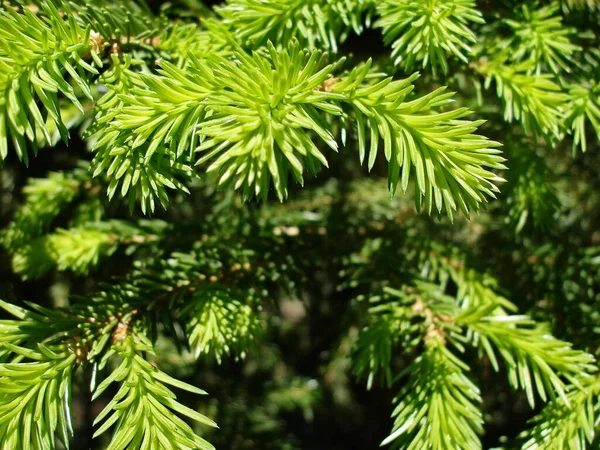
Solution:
(534, 100)
(542, 40)
(143, 410)
(536, 361)
(567, 425)
(78, 249)
(583, 108)
(476, 315)
(221, 322)
(253, 137)
(315, 23)
(437, 408)
(40, 58)
(263, 114)
(35, 398)
(449, 160)
(90, 332)
(424, 33)
(251, 115)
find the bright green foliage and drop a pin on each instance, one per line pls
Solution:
(141, 411)
(532, 357)
(543, 40)
(438, 406)
(536, 362)
(583, 107)
(35, 398)
(254, 116)
(316, 24)
(260, 117)
(571, 425)
(534, 100)
(219, 324)
(77, 249)
(202, 116)
(36, 56)
(173, 117)
(136, 167)
(449, 160)
(424, 33)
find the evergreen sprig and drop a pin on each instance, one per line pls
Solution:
(438, 406)
(35, 398)
(533, 358)
(536, 362)
(316, 24)
(220, 324)
(543, 40)
(262, 118)
(536, 101)
(566, 424)
(253, 114)
(424, 33)
(451, 163)
(142, 410)
(38, 60)
(584, 107)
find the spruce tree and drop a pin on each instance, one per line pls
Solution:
(299, 224)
